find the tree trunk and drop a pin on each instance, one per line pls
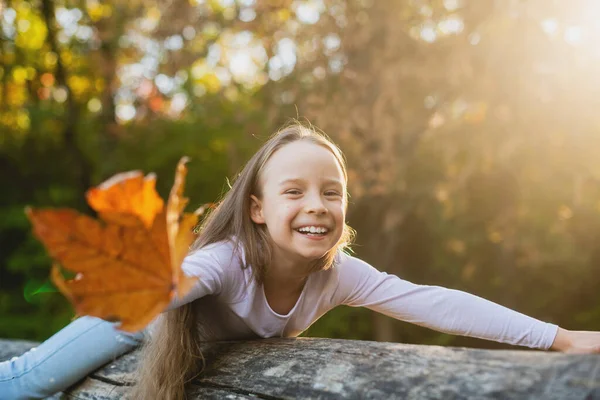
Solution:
(82, 166)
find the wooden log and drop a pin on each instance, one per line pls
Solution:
(308, 368)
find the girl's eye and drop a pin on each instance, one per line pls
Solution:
(293, 192)
(332, 193)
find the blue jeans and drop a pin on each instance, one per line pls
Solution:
(75, 351)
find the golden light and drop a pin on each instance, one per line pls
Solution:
(577, 24)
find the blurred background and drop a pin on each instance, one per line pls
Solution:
(470, 128)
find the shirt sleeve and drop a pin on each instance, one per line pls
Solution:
(445, 310)
(215, 266)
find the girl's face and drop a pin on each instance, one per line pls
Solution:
(303, 201)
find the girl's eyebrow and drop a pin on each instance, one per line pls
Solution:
(299, 180)
(334, 181)
(290, 180)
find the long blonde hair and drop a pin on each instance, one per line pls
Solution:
(170, 357)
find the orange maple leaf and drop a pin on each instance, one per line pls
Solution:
(127, 198)
(128, 264)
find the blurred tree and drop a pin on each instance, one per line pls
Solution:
(469, 127)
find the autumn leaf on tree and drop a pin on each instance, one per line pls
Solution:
(127, 263)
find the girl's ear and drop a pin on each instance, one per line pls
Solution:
(256, 210)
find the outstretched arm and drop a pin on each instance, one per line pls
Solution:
(450, 311)
(576, 342)
(217, 268)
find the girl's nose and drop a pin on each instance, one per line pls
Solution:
(314, 205)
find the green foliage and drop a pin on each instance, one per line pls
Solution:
(343, 323)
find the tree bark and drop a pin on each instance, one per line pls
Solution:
(308, 368)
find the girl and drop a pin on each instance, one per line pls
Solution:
(271, 261)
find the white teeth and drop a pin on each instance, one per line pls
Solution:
(312, 229)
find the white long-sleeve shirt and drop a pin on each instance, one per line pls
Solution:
(231, 305)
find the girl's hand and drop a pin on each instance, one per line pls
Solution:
(576, 342)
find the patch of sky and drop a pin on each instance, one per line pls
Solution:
(286, 51)
(275, 63)
(70, 30)
(130, 74)
(84, 33)
(451, 25)
(9, 15)
(247, 14)
(214, 54)
(8, 30)
(68, 20)
(308, 11)
(148, 24)
(239, 64)
(284, 60)
(174, 43)
(452, 5)
(428, 32)
(125, 112)
(68, 17)
(164, 83)
(332, 42)
(178, 102)
(274, 74)
(150, 46)
(150, 65)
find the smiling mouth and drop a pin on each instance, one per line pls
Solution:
(312, 231)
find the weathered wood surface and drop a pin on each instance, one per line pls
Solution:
(332, 369)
